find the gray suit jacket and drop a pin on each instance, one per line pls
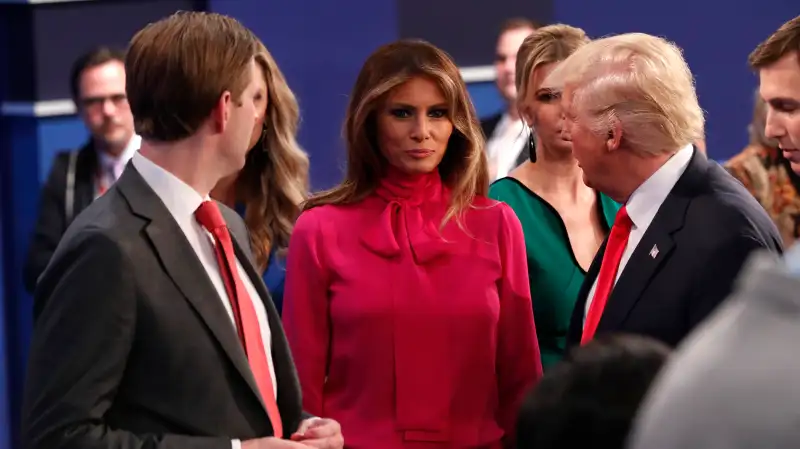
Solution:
(733, 383)
(132, 346)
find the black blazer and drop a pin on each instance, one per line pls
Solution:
(132, 347)
(488, 126)
(704, 231)
(52, 220)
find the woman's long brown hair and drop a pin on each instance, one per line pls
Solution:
(463, 168)
(274, 181)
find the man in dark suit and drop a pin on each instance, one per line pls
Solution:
(714, 392)
(153, 329)
(97, 83)
(686, 226)
(506, 136)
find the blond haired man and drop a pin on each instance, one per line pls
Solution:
(152, 327)
(686, 226)
(734, 384)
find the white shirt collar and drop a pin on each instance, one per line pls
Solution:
(180, 199)
(645, 201)
(108, 160)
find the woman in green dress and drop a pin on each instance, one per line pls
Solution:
(563, 220)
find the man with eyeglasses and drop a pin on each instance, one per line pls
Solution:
(78, 177)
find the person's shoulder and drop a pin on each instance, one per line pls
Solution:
(507, 188)
(232, 218)
(727, 211)
(488, 212)
(311, 220)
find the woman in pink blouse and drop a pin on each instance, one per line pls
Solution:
(407, 305)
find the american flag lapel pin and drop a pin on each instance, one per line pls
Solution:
(654, 251)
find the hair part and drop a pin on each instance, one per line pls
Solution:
(463, 168)
(549, 44)
(274, 181)
(782, 42)
(179, 67)
(94, 58)
(638, 82)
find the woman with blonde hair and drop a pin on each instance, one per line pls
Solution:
(563, 220)
(273, 184)
(408, 309)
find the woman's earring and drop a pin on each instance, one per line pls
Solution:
(531, 146)
(264, 137)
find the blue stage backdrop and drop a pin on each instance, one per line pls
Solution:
(716, 38)
(320, 45)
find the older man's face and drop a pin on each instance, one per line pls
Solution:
(587, 147)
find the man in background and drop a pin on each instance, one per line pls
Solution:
(506, 136)
(77, 177)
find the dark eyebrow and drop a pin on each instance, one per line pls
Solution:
(783, 101)
(408, 106)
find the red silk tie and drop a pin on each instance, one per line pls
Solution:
(617, 241)
(209, 216)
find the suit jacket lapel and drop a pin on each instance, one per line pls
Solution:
(85, 174)
(185, 269)
(650, 253)
(288, 398)
(655, 246)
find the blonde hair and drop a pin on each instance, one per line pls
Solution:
(552, 43)
(463, 168)
(638, 81)
(274, 181)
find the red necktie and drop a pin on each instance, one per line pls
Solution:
(209, 216)
(617, 241)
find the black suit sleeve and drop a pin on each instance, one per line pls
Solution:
(80, 346)
(715, 282)
(50, 223)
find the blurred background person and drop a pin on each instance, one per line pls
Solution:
(506, 137)
(563, 220)
(407, 301)
(268, 191)
(590, 398)
(768, 175)
(77, 177)
(686, 225)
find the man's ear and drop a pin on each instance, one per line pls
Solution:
(221, 112)
(614, 136)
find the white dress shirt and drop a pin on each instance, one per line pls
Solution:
(182, 201)
(111, 167)
(643, 205)
(505, 145)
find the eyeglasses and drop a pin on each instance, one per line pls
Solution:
(99, 101)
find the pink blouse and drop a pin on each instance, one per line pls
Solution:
(408, 336)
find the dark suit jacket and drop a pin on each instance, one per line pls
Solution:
(52, 221)
(132, 347)
(704, 231)
(488, 126)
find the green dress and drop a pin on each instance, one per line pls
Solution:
(554, 274)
